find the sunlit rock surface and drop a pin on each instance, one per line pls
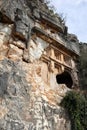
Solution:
(26, 102)
(37, 67)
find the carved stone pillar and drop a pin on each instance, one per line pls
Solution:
(52, 53)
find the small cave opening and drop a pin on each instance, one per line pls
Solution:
(64, 78)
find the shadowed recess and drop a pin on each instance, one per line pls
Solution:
(64, 78)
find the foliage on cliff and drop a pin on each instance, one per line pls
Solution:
(76, 107)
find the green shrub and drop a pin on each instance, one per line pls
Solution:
(76, 107)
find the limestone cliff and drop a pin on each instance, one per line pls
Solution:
(25, 101)
(37, 66)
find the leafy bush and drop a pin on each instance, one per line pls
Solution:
(76, 107)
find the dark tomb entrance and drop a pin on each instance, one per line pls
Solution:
(64, 78)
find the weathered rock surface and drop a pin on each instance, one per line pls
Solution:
(37, 66)
(25, 107)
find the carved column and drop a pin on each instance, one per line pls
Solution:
(62, 60)
(52, 53)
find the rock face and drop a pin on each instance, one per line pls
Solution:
(37, 67)
(26, 107)
(82, 66)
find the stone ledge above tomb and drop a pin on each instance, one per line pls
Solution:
(69, 47)
(52, 22)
